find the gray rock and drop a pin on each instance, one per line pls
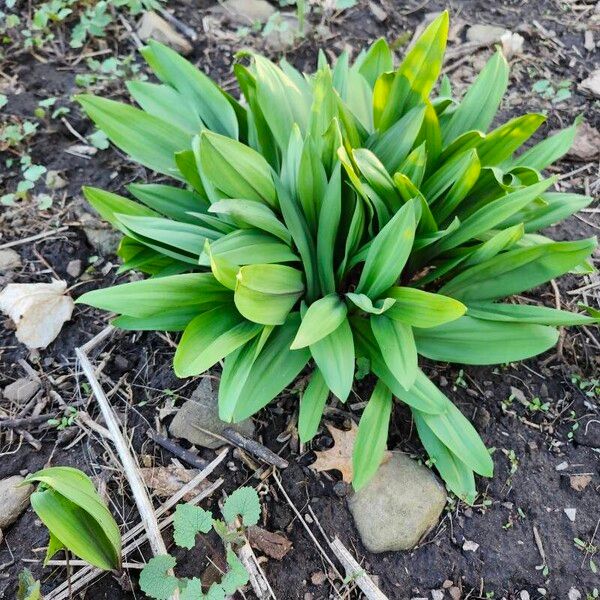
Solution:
(13, 499)
(21, 390)
(246, 12)
(74, 268)
(398, 506)
(485, 34)
(104, 241)
(201, 411)
(9, 260)
(153, 26)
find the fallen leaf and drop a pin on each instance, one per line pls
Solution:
(339, 456)
(166, 481)
(580, 482)
(469, 546)
(272, 544)
(591, 85)
(39, 310)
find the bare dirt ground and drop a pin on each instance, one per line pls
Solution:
(546, 434)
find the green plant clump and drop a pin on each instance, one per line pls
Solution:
(352, 214)
(240, 511)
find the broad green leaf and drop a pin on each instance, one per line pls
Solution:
(526, 313)
(312, 183)
(366, 304)
(267, 293)
(416, 76)
(371, 438)
(147, 139)
(186, 163)
(244, 503)
(517, 270)
(478, 108)
(255, 373)
(377, 177)
(499, 144)
(377, 60)
(334, 356)
(423, 395)
(388, 252)
(558, 207)
(414, 166)
(393, 146)
(188, 521)
(423, 309)
(281, 100)
(155, 580)
(184, 237)
(224, 271)
(151, 296)
(312, 405)
(29, 588)
(167, 200)
(450, 173)
(397, 345)
(322, 317)
(455, 431)
(236, 170)
(236, 576)
(248, 247)
(109, 205)
(303, 240)
(166, 103)
(500, 241)
(473, 341)
(212, 105)
(73, 512)
(488, 217)
(169, 319)
(456, 475)
(329, 219)
(251, 214)
(549, 150)
(209, 337)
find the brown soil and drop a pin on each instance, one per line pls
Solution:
(528, 492)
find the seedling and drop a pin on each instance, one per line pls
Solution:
(240, 510)
(68, 504)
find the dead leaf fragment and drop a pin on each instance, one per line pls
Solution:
(339, 456)
(272, 544)
(470, 546)
(591, 85)
(580, 482)
(39, 310)
(166, 481)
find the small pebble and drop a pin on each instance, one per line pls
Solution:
(74, 268)
(318, 578)
(571, 513)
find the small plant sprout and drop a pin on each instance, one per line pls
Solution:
(68, 504)
(240, 510)
(358, 215)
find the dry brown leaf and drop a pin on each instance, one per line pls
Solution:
(272, 544)
(339, 456)
(166, 481)
(39, 310)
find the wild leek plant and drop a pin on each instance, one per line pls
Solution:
(349, 213)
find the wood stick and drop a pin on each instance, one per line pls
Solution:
(24, 421)
(186, 455)
(254, 448)
(355, 572)
(258, 580)
(33, 238)
(130, 467)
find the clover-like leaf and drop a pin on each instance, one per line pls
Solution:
(245, 503)
(188, 521)
(154, 579)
